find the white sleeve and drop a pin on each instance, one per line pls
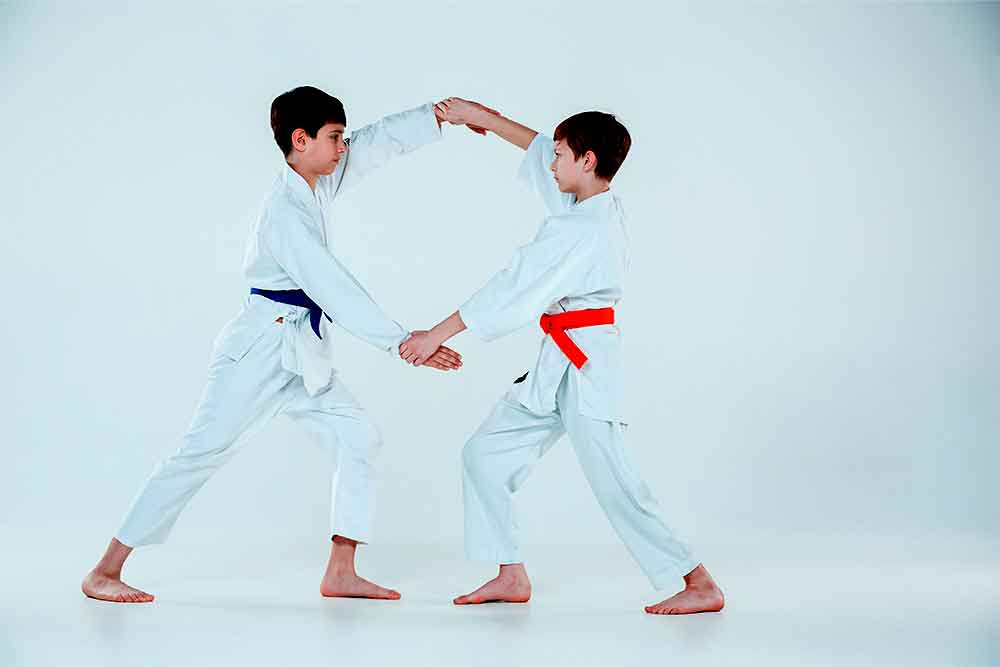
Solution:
(535, 171)
(539, 274)
(373, 145)
(327, 282)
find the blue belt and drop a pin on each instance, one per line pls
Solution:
(295, 297)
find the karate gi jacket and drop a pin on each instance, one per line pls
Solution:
(577, 260)
(287, 249)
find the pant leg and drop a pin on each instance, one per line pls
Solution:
(495, 462)
(621, 492)
(239, 397)
(341, 426)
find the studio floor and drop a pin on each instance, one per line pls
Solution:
(893, 605)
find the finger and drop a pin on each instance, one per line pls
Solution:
(451, 352)
(448, 356)
(437, 359)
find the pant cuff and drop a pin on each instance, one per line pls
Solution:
(668, 576)
(355, 534)
(507, 556)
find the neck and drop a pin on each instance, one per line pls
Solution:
(310, 179)
(590, 189)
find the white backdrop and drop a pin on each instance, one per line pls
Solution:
(811, 321)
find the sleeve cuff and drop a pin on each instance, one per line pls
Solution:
(430, 131)
(532, 155)
(475, 325)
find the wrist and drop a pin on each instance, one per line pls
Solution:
(438, 335)
(485, 119)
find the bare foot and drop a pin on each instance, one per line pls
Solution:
(104, 587)
(511, 585)
(700, 594)
(352, 586)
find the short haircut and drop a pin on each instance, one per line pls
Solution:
(303, 107)
(598, 132)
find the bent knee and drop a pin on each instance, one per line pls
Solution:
(475, 457)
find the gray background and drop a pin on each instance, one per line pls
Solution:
(811, 320)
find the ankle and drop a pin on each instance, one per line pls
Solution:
(514, 573)
(341, 570)
(107, 572)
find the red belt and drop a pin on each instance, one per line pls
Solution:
(556, 325)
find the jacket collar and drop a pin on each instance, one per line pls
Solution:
(297, 185)
(594, 203)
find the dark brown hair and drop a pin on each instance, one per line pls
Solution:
(303, 107)
(598, 132)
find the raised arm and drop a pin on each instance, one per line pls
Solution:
(373, 145)
(464, 112)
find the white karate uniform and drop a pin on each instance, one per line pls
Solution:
(261, 368)
(577, 261)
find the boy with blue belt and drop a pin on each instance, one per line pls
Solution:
(275, 358)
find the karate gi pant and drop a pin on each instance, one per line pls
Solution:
(240, 397)
(499, 456)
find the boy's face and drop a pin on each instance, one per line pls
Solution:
(322, 154)
(567, 170)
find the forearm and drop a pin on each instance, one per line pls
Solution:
(447, 328)
(505, 128)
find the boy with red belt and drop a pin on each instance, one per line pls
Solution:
(572, 274)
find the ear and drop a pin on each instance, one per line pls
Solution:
(589, 161)
(299, 137)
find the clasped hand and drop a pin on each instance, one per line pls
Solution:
(423, 349)
(457, 111)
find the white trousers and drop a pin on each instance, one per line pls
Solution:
(499, 456)
(241, 396)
